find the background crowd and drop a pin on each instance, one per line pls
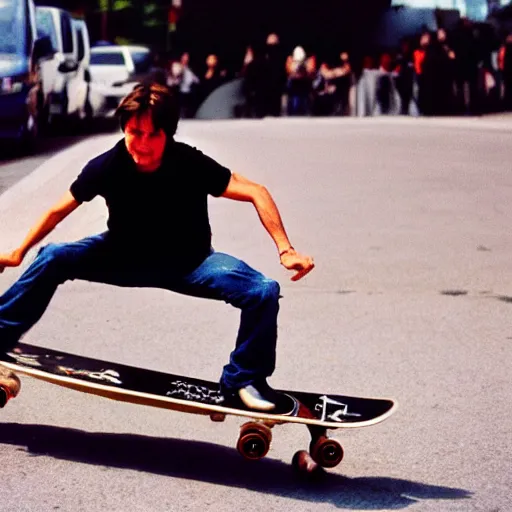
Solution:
(443, 72)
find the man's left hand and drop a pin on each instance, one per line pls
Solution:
(292, 260)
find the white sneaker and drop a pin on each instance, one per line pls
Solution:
(252, 398)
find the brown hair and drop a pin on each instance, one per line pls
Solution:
(157, 100)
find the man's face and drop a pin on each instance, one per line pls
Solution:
(211, 61)
(272, 40)
(145, 145)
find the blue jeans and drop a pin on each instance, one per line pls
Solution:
(298, 105)
(218, 277)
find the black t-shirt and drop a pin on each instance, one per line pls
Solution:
(160, 216)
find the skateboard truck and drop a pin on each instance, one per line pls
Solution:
(217, 417)
(255, 439)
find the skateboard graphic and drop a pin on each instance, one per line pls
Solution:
(320, 412)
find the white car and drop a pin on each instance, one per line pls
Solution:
(114, 71)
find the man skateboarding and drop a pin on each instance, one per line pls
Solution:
(158, 235)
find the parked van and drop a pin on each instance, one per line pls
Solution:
(20, 81)
(63, 78)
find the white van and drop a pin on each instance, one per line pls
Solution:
(63, 78)
(84, 60)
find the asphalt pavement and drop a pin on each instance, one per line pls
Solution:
(15, 166)
(408, 221)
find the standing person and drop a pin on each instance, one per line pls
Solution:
(405, 76)
(343, 82)
(506, 70)
(253, 76)
(465, 47)
(158, 235)
(419, 55)
(438, 76)
(213, 77)
(188, 86)
(299, 84)
(274, 76)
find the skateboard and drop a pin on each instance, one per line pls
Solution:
(319, 412)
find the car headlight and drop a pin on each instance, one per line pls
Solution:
(12, 84)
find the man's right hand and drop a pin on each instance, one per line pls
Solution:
(13, 259)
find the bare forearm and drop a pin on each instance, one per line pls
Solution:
(44, 226)
(271, 219)
(241, 189)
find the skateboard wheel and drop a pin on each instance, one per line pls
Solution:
(217, 416)
(253, 446)
(4, 397)
(254, 441)
(328, 453)
(10, 386)
(258, 428)
(6, 393)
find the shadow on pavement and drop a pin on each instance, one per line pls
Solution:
(219, 465)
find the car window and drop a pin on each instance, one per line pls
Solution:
(67, 33)
(107, 59)
(141, 61)
(81, 46)
(46, 27)
(11, 27)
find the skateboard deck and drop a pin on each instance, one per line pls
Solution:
(318, 411)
